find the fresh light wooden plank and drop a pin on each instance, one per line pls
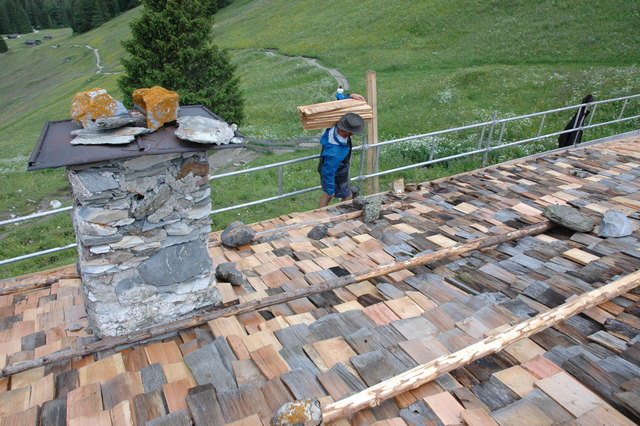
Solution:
(441, 240)
(396, 421)
(226, 292)
(135, 359)
(404, 307)
(121, 414)
(102, 370)
(541, 367)
(269, 361)
(177, 371)
(14, 401)
(259, 340)
(84, 401)
(304, 318)
(331, 352)
(446, 407)
(26, 378)
(517, 379)
(477, 417)
(579, 256)
(465, 208)
(274, 324)
(238, 347)
(175, 394)
(603, 415)
(163, 352)
(101, 418)
(569, 393)
(348, 306)
(227, 326)
(253, 420)
(526, 209)
(380, 314)
(524, 350)
(522, 412)
(24, 418)
(43, 390)
(598, 314)
(421, 300)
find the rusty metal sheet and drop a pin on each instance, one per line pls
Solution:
(54, 148)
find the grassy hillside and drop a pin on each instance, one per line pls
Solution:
(36, 85)
(439, 64)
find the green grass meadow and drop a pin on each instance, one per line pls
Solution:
(439, 64)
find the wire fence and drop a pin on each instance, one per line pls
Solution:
(479, 139)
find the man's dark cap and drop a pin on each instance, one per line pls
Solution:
(351, 123)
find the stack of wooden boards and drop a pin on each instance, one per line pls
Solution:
(327, 114)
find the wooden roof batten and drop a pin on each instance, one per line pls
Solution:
(291, 331)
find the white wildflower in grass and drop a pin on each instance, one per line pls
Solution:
(444, 96)
(14, 164)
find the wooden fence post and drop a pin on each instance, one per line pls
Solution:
(373, 185)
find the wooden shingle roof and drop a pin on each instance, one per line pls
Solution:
(240, 369)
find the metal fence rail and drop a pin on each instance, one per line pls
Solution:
(484, 147)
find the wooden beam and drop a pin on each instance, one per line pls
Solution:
(36, 280)
(373, 186)
(424, 373)
(225, 311)
(26, 287)
(476, 244)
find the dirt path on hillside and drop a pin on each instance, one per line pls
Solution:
(99, 68)
(341, 79)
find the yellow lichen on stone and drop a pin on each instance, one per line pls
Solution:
(87, 107)
(159, 104)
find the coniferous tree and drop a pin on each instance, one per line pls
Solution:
(5, 24)
(211, 6)
(29, 9)
(21, 16)
(114, 7)
(58, 12)
(3, 46)
(170, 48)
(18, 18)
(37, 14)
(101, 13)
(81, 15)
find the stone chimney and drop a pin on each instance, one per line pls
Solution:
(142, 228)
(141, 214)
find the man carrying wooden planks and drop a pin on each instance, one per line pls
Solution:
(336, 156)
